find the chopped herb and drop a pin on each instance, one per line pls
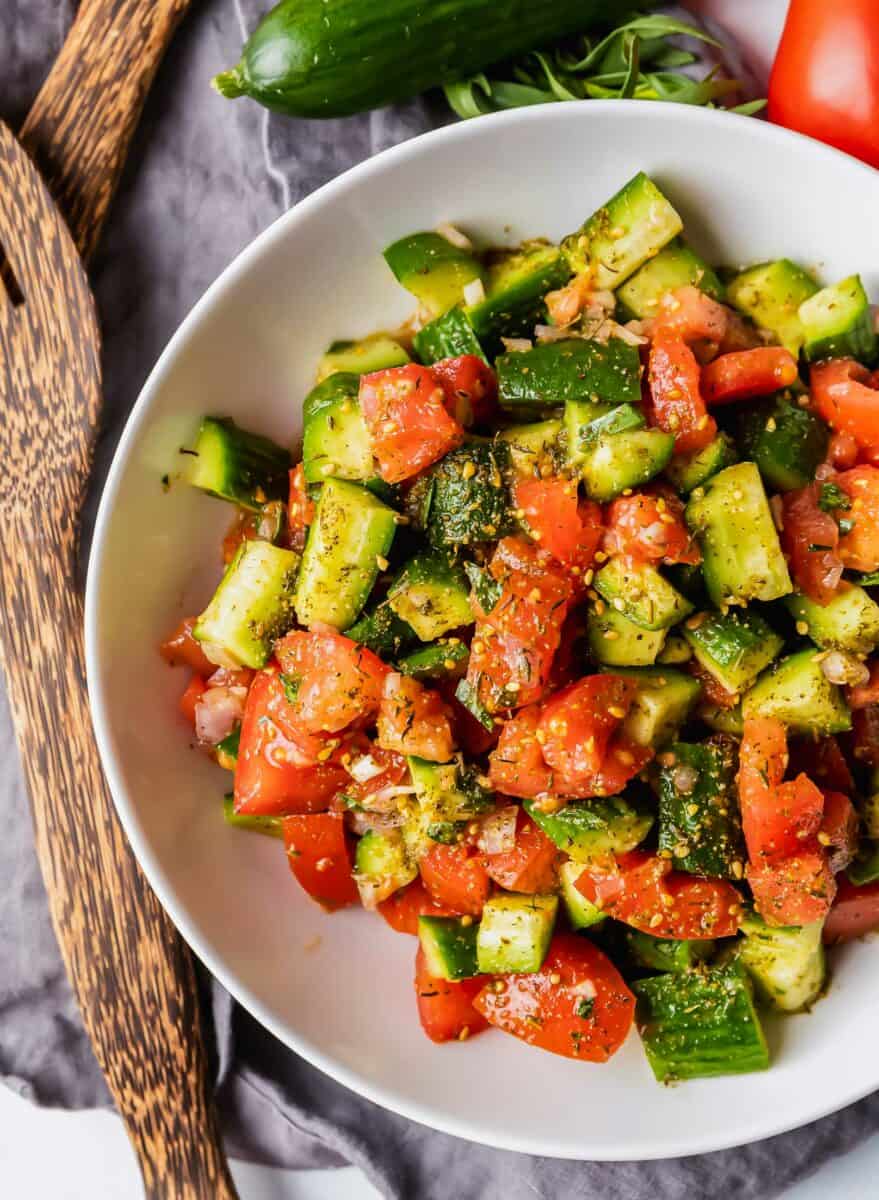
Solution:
(846, 526)
(832, 496)
(468, 695)
(585, 1007)
(290, 685)
(486, 589)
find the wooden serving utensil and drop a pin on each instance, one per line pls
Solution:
(131, 972)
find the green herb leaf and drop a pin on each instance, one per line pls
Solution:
(290, 684)
(832, 497)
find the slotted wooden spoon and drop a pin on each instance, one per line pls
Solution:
(132, 974)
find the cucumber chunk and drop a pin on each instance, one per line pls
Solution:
(448, 791)
(785, 441)
(675, 266)
(838, 323)
(667, 954)
(251, 822)
(581, 913)
(615, 641)
(631, 227)
(734, 648)
(849, 622)
(688, 471)
(550, 375)
(351, 533)
(639, 592)
(626, 459)
(376, 353)
(587, 829)
(786, 963)
(431, 596)
(449, 945)
(382, 631)
(382, 865)
(675, 651)
(232, 464)
(534, 449)
(445, 659)
(699, 822)
(449, 336)
(722, 720)
(226, 751)
(469, 501)
(771, 294)
(662, 704)
(741, 555)
(581, 432)
(335, 440)
(515, 294)
(251, 608)
(700, 1023)
(514, 933)
(797, 692)
(433, 269)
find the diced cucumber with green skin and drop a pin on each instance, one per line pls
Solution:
(616, 641)
(639, 592)
(700, 1023)
(382, 865)
(335, 440)
(431, 596)
(514, 933)
(623, 234)
(449, 336)
(797, 692)
(466, 694)
(742, 558)
(487, 590)
(515, 294)
(849, 622)
(270, 826)
(786, 963)
(865, 868)
(433, 269)
(588, 829)
(347, 541)
(533, 448)
(676, 266)
(383, 632)
(688, 471)
(699, 822)
(771, 294)
(580, 434)
(550, 375)
(662, 703)
(676, 650)
(448, 791)
(226, 751)
(449, 946)
(722, 720)
(581, 913)
(469, 500)
(625, 460)
(376, 353)
(667, 954)
(838, 323)
(785, 441)
(253, 606)
(733, 647)
(232, 464)
(440, 660)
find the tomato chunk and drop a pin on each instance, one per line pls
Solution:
(675, 403)
(414, 719)
(446, 1009)
(405, 412)
(517, 765)
(319, 854)
(864, 694)
(855, 912)
(839, 831)
(577, 1004)
(530, 866)
(470, 387)
(650, 527)
(374, 769)
(569, 529)
(455, 876)
(794, 891)
(195, 689)
(810, 538)
(748, 373)
(182, 648)
(847, 398)
(688, 313)
(337, 680)
(859, 548)
(402, 909)
(300, 509)
(778, 818)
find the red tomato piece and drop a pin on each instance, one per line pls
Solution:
(276, 774)
(649, 527)
(338, 679)
(569, 529)
(839, 830)
(842, 451)
(181, 648)
(300, 509)
(855, 912)
(455, 876)
(530, 866)
(195, 689)
(844, 396)
(779, 819)
(794, 891)
(822, 761)
(577, 723)
(414, 719)
(577, 1004)
(675, 403)
(810, 539)
(859, 548)
(391, 771)
(319, 854)
(446, 1009)
(470, 388)
(517, 766)
(405, 412)
(689, 314)
(864, 694)
(748, 373)
(402, 909)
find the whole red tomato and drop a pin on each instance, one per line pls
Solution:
(825, 81)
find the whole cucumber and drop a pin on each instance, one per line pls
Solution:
(331, 58)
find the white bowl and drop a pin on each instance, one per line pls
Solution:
(748, 191)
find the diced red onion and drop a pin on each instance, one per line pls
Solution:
(516, 345)
(454, 235)
(842, 668)
(474, 292)
(217, 712)
(497, 833)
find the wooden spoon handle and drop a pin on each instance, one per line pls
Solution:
(81, 122)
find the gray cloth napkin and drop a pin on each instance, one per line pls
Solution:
(205, 176)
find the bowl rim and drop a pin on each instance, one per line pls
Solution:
(747, 1128)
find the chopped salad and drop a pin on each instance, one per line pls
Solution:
(554, 643)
